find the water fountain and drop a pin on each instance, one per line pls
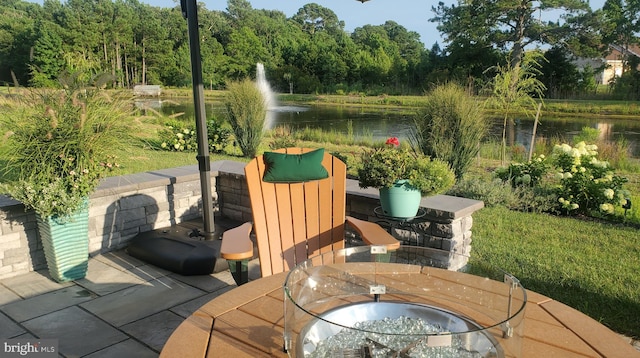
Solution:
(270, 99)
(267, 93)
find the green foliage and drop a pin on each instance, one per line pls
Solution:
(449, 126)
(59, 144)
(218, 135)
(508, 23)
(246, 110)
(524, 174)
(501, 193)
(587, 185)
(383, 166)
(282, 137)
(514, 89)
(178, 136)
(627, 86)
(587, 135)
(582, 183)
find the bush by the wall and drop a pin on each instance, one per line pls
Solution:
(449, 127)
(246, 109)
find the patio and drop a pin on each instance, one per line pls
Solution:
(128, 308)
(123, 308)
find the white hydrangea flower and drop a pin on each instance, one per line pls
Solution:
(608, 193)
(607, 208)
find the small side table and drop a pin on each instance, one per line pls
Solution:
(409, 224)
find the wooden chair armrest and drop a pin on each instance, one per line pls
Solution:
(236, 243)
(373, 234)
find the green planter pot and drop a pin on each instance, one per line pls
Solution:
(401, 200)
(66, 245)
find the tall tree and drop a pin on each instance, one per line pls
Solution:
(16, 39)
(622, 23)
(313, 17)
(510, 25)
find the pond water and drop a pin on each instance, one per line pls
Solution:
(381, 124)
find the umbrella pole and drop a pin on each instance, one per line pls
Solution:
(190, 12)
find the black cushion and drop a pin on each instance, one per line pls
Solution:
(183, 256)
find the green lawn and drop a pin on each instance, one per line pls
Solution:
(588, 265)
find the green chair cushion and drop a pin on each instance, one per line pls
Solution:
(293, 168)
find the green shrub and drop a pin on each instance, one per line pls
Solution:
(586, 184)
(587, 135)
(501, 193)
(493, 193)
(524, 174)
(449, 127)
(218, 135)
(383, 167)
(247, 110)
(282, 137)
(59, 144)
(178, 136)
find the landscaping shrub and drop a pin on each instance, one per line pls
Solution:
(218, 135)
(181, 136)
(586, 184)
(178, 136)
(246, 109)
(582, 183)
(449, 127)
(524, 174)
(493, 193)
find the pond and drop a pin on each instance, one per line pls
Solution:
(380, 124)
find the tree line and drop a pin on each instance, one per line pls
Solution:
(309, 52)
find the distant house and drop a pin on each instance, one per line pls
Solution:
(615, 61)
(611, 65)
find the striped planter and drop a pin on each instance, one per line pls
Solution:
(66, 244)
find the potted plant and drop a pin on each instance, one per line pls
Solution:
(57, 148)
(403, 176)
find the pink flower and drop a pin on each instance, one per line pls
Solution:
(393, 141)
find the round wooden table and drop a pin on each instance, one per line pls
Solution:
(248, 322)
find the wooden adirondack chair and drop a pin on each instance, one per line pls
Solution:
(295, 221)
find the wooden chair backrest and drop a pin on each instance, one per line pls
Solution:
(295, 221)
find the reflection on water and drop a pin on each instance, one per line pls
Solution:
(380, 124)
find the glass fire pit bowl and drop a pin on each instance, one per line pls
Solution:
(412, 302)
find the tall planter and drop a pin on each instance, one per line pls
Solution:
(401, 200)
(66, 244)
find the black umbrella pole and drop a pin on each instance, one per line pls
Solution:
(204, 164)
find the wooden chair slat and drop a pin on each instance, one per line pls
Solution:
(299, 223)
(312, 217)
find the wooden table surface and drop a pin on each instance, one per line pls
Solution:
(248, 322)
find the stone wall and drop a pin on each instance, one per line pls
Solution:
(121, 208)
(125, 206)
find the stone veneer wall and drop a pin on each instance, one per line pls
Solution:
(125, 206)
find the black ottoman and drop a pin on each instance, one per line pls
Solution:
(186, 257)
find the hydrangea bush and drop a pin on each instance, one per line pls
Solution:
(586, 183)
(180, 136)
(582, 183)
